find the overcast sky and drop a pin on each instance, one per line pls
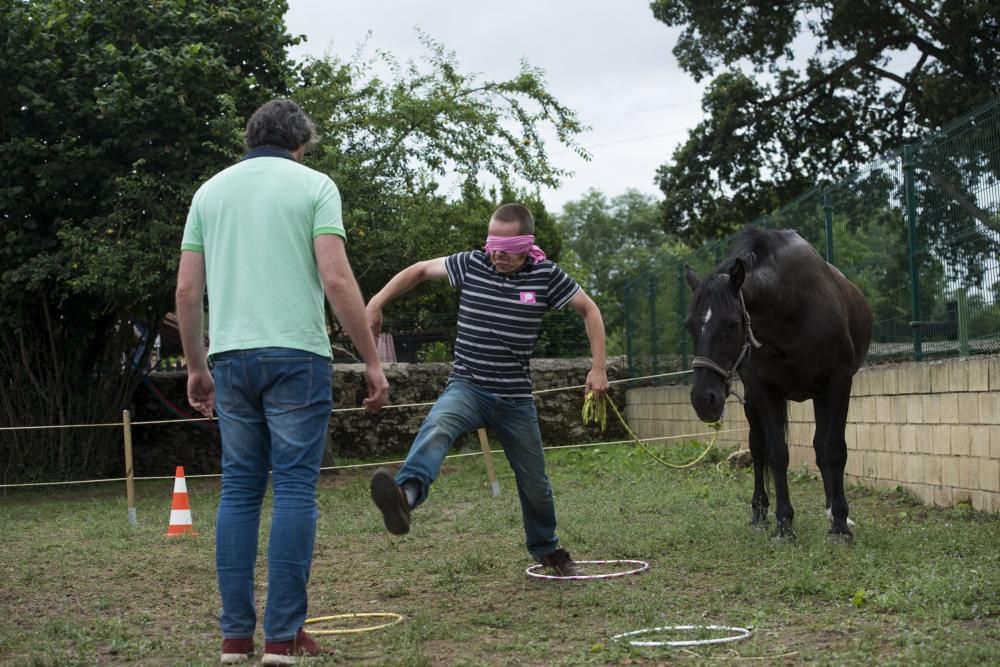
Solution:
(610, 62)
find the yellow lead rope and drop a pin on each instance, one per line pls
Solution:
(596, 410)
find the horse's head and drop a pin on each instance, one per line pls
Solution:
(720, 328)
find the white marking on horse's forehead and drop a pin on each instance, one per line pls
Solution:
(705, 318)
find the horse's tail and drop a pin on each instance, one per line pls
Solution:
(784, 419)
(768, 486)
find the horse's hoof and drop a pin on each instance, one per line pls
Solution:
(783, 532)
(841, 527)
(840, 534)
(843, 539)
(758, 526)
(784, 536)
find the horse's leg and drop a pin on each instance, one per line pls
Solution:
(820, 411)
(769, 412)
(775, 419)
(758, 452)
(838, 400)
(824, 431)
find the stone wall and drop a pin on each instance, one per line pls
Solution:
(932, 428)
(354, 433)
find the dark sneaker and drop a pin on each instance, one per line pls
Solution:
(292, 651)
(391, 500)
(236, 650)
(560, 562)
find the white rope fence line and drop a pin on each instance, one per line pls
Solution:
(55, 426)
(400, 405)
(539, 391)
(388, 463)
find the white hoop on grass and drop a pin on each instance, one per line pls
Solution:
(643, 566)
(741, 633)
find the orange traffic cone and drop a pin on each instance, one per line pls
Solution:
(180, 510)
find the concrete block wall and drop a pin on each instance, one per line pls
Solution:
(666, 411)
(932, 428)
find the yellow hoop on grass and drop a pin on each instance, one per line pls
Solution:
(395, 618)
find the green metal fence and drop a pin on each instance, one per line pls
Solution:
(918, 231)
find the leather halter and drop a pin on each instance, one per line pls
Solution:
(749, 340)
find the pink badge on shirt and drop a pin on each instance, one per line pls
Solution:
(527, 297)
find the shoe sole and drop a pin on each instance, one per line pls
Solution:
(284, 659)
(385, 495)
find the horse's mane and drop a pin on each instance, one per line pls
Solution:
(756, 246)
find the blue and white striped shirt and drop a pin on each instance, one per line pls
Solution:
(499, 317)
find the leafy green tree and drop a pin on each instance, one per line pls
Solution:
(117, 111)
(112, 114)
(880, 75)
(409, 153)
(614, 241)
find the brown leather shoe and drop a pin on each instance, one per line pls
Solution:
(391, 501)
(235, 651)
(559, 561)
(292, 651)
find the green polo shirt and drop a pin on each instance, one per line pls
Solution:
(255, 223)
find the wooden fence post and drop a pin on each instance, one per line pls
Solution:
(488, 457)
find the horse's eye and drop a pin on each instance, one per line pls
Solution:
(732, 325)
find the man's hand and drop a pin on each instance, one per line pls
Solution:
(597, 382)
(201, 391)
(378, 388)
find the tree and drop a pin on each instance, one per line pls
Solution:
(395, 146)
(117, 111)
(112, 114)
(880, 75)
(614, 241)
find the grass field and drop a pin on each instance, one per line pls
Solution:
(918, 586)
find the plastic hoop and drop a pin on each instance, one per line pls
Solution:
(741, 633)
(643, 566)
(395, 618)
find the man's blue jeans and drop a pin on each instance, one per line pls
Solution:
(463, 407)
(274, 410)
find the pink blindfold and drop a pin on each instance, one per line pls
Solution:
(515, 245)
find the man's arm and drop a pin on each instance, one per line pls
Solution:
(190, 299)
(401, 283)
(597, 378)
(345, 299)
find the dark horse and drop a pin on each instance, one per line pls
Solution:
(811, 329)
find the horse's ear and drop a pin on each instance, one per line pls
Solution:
(737, 272)
(692, 278)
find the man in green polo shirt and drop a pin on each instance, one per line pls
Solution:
(265, 236)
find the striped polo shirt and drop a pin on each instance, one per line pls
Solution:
(499, 317)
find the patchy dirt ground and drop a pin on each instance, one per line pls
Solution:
(919, 585)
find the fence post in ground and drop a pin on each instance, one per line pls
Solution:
(828, 224)
(484, 442)
(651, 294)
(129, 471)
(963, 323)
(628, 328)
(909, 167)
(682, 313)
